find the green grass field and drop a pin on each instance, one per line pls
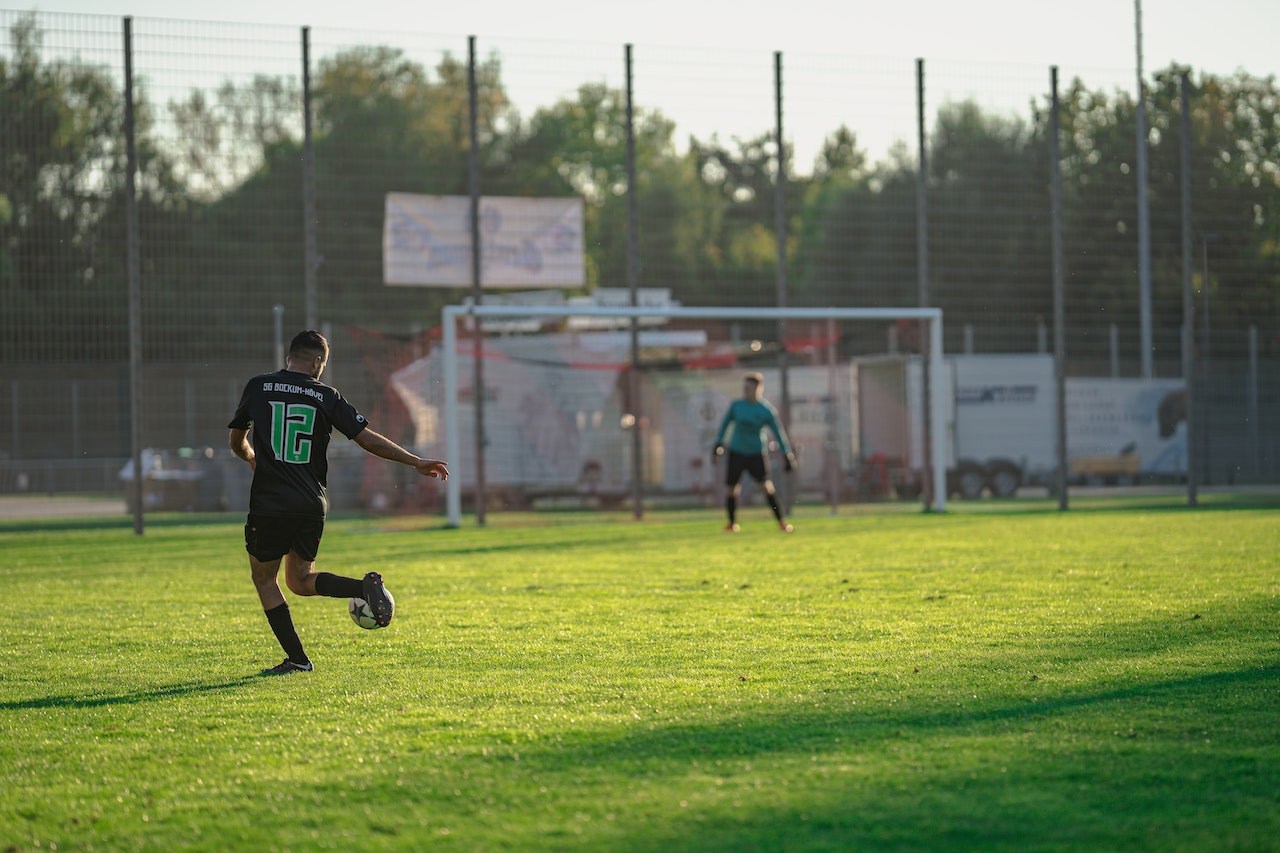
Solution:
(999, 677)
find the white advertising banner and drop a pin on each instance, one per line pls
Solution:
(1123, 428)
(524, 242)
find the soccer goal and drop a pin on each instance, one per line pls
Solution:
(563, 393)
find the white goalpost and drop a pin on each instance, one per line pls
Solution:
(449, 345)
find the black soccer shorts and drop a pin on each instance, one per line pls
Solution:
(270, 537)
(742, 463)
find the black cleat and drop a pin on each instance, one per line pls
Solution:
(380, 601)
(287, 666)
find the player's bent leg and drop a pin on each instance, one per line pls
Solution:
(337, 586)
(265, 581)
(379, 600)
(300, 574)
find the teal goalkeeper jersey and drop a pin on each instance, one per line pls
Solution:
(749, 422)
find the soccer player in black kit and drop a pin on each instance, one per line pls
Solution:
(292, 415)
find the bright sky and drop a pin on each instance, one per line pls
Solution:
(1220, 36)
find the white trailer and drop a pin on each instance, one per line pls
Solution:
(557, 425)
(998, 421)
(1000, 424)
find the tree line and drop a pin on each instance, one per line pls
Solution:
(220, 202)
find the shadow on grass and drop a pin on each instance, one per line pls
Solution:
(803, 732)
(1039, 794)
(167, 691)
(1191, 752)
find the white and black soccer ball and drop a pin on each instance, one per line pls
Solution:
(362, 614)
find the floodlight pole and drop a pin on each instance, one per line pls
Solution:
(1144, 216)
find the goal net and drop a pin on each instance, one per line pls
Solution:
(562, 401)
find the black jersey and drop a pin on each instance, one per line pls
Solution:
(292, 416)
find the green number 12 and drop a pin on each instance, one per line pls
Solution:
(291, 425)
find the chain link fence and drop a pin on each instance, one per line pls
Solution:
(226, 246)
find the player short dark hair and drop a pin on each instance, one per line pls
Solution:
(308, 344)
(757, 378)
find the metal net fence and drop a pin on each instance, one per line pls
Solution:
(265, 155)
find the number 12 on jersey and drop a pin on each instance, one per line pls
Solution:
(291, 426)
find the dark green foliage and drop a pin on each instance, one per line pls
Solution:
(222, 235)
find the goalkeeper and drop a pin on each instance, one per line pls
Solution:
(749, 417)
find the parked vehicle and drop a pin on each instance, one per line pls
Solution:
(1000, 422)
(998, 417)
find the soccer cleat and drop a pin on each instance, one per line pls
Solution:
(287, 666)
(379, 602)
(731, 528)
(784, 527)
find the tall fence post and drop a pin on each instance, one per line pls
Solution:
(311, 251)
(1206, 361)
(1059, 298)
(922, 277)
(135, 285)
(75, 419)
(15, 412)
(1188, 303)
(1144, 215)
(780, 234)
(1254, 413)
(633, 283)
(477, 285)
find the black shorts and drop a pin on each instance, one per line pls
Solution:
(270, 537)
(757, 465)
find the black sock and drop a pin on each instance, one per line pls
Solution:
(773, 503)
(731, 504)
(282, 625)
(335, 586)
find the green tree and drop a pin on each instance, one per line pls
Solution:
(58, 145)
(1234, 146)
(579, 147)
(989, 261)
(383, 123)
(222, 138)
(987, 214)
(741, 258)
(1235, 193)
(861, 237)
(841, 168)
(62, 224)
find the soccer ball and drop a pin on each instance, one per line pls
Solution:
(362, 614)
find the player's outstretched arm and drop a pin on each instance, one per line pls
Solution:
(380, 445)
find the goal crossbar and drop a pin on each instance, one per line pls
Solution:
(449, 345)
